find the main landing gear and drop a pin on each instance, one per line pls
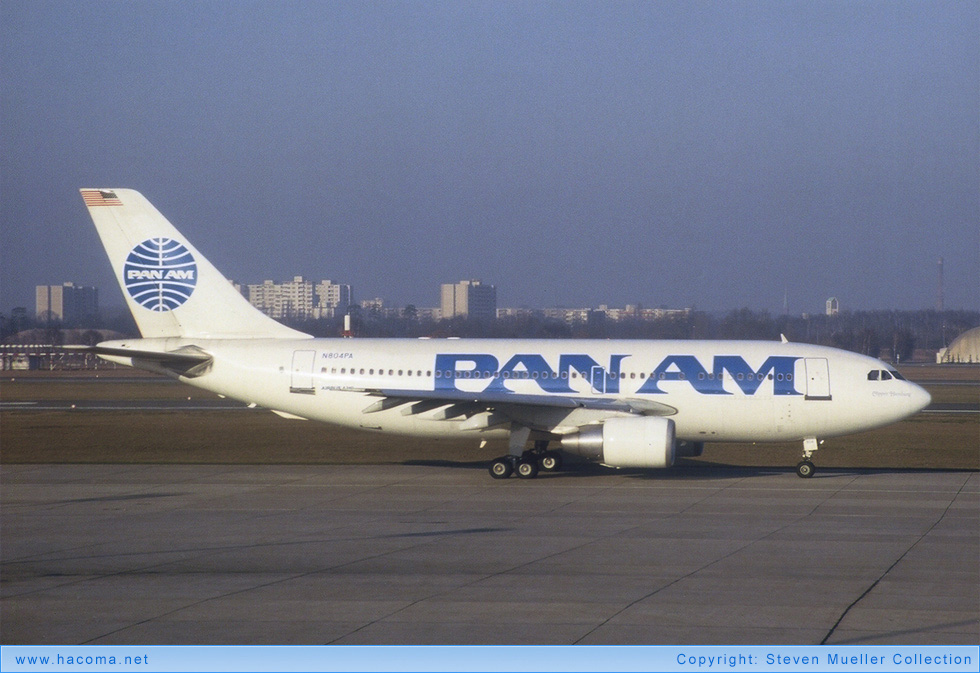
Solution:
(805, 468)
(528, 464)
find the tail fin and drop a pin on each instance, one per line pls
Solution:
(170, 288)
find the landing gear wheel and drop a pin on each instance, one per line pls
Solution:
(527, 469)
(550, 461)
(502, 468)
(805, 469)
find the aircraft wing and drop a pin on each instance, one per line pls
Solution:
(463, 403)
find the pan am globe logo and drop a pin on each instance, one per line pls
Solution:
(160, 274)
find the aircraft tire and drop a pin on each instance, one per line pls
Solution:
(550, 461)
(501, 468)
(804, 469)
(527, 469)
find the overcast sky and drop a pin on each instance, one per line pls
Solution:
(706, 154)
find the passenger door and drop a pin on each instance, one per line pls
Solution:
(817, 379)
(301, 380)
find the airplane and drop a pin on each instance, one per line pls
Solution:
(621, 403)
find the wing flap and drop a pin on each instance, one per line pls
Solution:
(427, 400)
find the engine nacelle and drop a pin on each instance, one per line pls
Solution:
(647, 441)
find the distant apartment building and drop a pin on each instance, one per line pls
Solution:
(427, 313)
(833, 306)
(469, 299)
(300, 298)
(569, 315)
(66, 303)
(332, 299)
(521, 312)
(296, 298)
(584, 315)
(376, 306)
(380, 308)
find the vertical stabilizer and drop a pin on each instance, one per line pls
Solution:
(171, 289)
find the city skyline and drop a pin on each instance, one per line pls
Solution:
(715, 156)
(303, 297)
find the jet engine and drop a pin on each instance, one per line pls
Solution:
(646, 441)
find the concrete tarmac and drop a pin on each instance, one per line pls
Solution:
(442, 554)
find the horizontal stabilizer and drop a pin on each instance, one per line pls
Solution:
(189, 361)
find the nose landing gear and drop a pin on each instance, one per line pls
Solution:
(805, 468)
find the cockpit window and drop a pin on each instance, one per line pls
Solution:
(884, 375)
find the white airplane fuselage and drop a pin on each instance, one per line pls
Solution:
(723, 391)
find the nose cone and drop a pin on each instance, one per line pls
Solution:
(919, 398)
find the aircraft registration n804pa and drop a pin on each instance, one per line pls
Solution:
(633, 403)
